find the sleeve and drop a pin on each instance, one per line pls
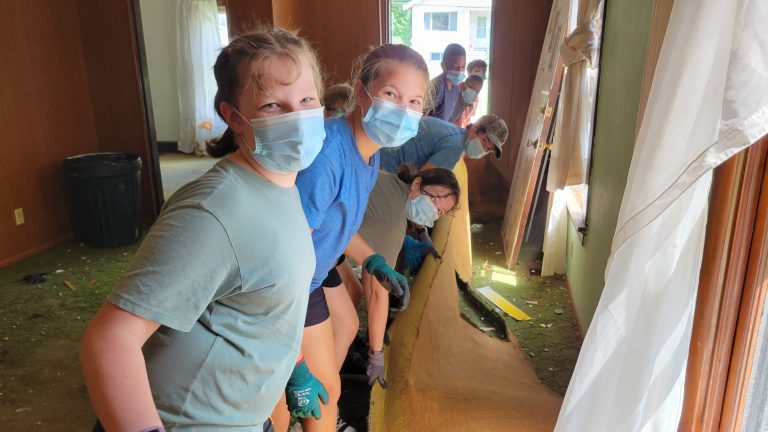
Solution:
(438, 93)
(185, 263)
(318, 186)
(446, 152)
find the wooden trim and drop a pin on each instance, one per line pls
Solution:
(750, 313)
(735, 191)
(153, 164)
(385, 31)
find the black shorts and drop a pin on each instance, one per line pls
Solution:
(317, 309)
(334, 278)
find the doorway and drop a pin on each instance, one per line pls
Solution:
(181, 99)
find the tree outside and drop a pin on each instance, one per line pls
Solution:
(401, 22)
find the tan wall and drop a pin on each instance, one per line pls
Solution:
(70, 86)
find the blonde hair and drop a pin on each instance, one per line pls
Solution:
(254, 48)
(368, 67)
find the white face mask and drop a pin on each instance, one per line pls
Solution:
(474, 148)
(421, 210)
(288, 142)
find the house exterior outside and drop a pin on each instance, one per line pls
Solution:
(437, 23)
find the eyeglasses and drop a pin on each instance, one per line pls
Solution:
(436, 198)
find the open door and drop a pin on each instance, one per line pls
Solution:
(537, 125)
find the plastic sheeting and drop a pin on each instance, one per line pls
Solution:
(708, 101)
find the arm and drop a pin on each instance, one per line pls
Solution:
(428, 165)
(114, 370)
(377, 305)
(394, 282)
(357, 249)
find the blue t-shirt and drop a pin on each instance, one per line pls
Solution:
(445, 99)
(334, 193)
(437, 141)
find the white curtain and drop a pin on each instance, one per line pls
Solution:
(579, 54)
(708, 101)
(198, 45)
(555, 234)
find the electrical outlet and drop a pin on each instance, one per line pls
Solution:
(19, 215)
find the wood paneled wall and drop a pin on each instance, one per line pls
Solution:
(517, 35)
(339, 30)
(69, 86)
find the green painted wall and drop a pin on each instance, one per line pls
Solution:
(627, 24)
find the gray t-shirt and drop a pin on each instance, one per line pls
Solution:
(385, 222)
(225, 271)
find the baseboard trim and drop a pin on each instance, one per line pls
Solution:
(168, 147)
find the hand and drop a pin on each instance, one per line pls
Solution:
(393, 281)
(302, 392)
(375, 369)
(399, 304)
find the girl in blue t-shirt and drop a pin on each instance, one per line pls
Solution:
(391, 92)
(213, 297)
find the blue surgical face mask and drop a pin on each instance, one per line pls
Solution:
(390, 125)
(421, 210)
(455, 77)
(469, 95)
(289, 142)
(474, 149)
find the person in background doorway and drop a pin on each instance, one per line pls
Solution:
(391, 90)
(446, 85)
(204, 329)
(478, 68)
(441, 144)
(339, 100)
(467, 104)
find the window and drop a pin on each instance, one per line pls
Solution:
(482, 27)
(222, 25)
(440, 21)
(436, 56)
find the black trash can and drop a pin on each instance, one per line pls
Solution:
(104, 189)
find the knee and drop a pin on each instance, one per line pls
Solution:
(332, 386)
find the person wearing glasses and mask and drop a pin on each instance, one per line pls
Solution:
(440, 144)
(420, 197)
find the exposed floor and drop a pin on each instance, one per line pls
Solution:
(177, 169)
(551, 339)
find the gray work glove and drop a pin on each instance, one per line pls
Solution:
(375, 369)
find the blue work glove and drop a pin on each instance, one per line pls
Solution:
(375, 369)
(302, 392)
(414, 253)
(393, 281)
